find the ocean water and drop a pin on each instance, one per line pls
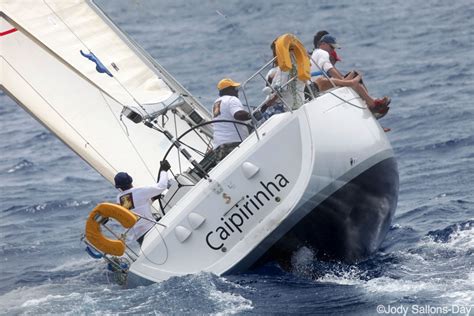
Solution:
(421, 53)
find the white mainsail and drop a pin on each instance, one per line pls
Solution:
(68, 65)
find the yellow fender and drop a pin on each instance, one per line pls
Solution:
(94, 234)
(286, 43)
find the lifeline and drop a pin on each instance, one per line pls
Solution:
(252, 204)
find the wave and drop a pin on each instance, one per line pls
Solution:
(433, 267)
(24, 164)
(48, 206)
(450, 144)
(194, 294)
(452, 233)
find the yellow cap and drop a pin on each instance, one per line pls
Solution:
(225, 83)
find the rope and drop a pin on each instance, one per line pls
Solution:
(345, 101)
(162, 239)
(292, 86)
(128, 137)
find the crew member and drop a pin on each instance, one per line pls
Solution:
(139, 199)
(227, 136)
(320, 61)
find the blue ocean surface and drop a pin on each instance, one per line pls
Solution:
(421, 53)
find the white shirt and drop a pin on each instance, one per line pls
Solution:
(321, 57)
(271, 73)
(224, 109)
(138, 200)
(293, 93)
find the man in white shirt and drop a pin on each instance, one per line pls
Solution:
(139, 200)
(227, 136)
(320, 61)
(293, 93)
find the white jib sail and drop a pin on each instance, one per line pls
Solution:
(74, 71)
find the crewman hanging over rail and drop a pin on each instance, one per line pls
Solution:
(139, 199)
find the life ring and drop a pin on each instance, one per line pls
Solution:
(286, 43)
(94, 234)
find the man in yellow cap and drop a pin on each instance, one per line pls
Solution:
(228, 135)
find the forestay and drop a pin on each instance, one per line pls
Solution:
(68, 65)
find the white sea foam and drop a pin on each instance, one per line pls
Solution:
(227, 302)
(462, 293)
(35, 208)
(49, 297)
(73, 264)
(461, 240)
(63, 204)
(391, 285)
(301, 259)
(29, 297)
(230, 303)
(351, 276)
(428, 270)
(21, 165)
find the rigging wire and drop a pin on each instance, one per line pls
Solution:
(176, 133)
(142, 252)
(166, 250)
(129, 139)
(345, 101)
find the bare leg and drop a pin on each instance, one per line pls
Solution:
(364, 94)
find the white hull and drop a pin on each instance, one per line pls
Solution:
(303, 158)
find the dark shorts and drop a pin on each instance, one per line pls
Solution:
(140, 239)
(223, 150)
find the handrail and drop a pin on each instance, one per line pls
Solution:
(202, 124)
(288, 52)
(258, 72)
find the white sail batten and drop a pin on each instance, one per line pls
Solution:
(74, 72)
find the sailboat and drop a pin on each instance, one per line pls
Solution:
(321, 175)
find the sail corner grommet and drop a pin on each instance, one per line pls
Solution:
(249, 169)
(182, 233)
(195, 220)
